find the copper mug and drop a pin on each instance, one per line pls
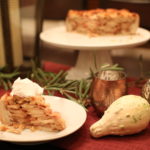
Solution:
(107, 86)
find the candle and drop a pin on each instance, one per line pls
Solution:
(15, 31)
(2, 53)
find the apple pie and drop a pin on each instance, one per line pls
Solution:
(102, 21)
(19, 112)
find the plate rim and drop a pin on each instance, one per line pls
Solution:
(48, 139)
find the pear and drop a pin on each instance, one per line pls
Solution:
(127, 115)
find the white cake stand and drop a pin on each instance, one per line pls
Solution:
(93, 51)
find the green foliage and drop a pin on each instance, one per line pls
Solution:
(76, 90)
(111, 67)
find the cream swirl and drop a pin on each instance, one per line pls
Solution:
(26, 88)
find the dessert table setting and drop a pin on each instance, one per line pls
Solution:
(81, 138)
(93, 105)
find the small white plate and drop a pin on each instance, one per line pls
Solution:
(59, 37)
(73, 114)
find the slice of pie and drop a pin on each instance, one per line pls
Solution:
(19, 112)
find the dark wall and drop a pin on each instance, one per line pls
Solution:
(57, 9)
(140, 7)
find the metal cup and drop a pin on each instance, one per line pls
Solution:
(107, 86)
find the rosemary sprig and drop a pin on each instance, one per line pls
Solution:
(111, 67)
(8, 75)
(6, 79)
(141, 67)
(76, 90)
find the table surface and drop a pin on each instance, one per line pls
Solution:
(81, 139)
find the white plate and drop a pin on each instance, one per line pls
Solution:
(73, 114)
(58, 36)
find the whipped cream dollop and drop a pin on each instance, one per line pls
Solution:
(26, 88)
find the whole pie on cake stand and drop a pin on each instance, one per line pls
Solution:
(92, 50)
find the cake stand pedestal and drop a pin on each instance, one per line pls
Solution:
(93, 51)
(88, 60)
